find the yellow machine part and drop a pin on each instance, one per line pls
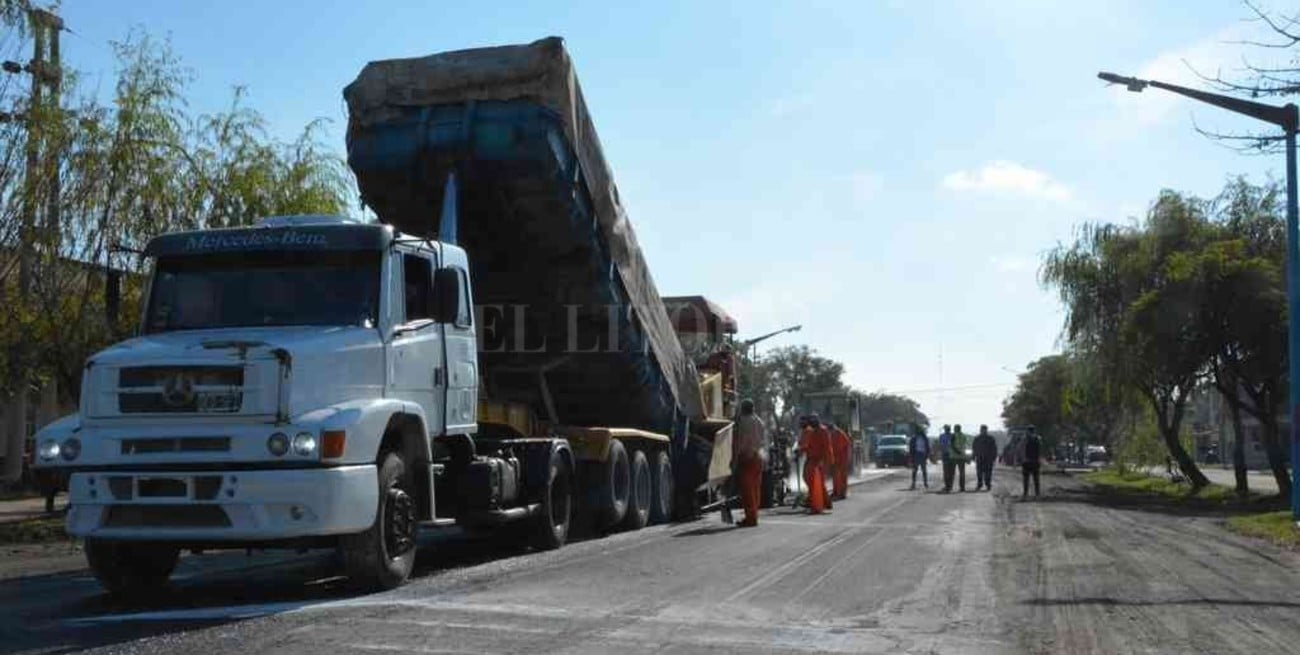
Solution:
(712, 395)
(516, 416)
(592, 443)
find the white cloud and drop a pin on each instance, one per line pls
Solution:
(1010, 178)
(1012, 263)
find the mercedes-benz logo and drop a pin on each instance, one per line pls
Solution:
(178, 390)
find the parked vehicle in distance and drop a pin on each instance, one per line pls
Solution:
(891, 450)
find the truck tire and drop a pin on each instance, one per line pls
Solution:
(638, 501)
(661, 479)
(552, 527)
(131, 568)
(614, 486)
(382, 557)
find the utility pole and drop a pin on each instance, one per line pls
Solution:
(42, 105)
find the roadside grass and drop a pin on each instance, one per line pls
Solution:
(33, 531)
(1276, 527)
(1139, 484)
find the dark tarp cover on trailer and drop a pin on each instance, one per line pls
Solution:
(540, 72)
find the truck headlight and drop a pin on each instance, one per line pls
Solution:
(278, 444)
(304, 443)
(70, 449)
(49, 449)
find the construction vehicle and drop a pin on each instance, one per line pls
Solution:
(491, 353)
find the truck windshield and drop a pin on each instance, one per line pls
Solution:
(264, 288)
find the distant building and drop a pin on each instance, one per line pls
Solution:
(1209, 420)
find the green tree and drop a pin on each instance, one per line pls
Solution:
(1039, 398)
(1244, 312)
(877, 408)
(790, 372)
(1132, 298)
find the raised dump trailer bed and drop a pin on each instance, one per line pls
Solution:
(570, 319)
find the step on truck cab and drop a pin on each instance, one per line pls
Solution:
(491, 352)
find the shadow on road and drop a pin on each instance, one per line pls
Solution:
(706, 531)
(1122, 602)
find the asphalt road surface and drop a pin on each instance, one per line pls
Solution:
(890, 570)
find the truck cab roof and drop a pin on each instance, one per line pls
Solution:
(301, 233)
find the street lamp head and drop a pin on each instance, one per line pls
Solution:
(1132, 83)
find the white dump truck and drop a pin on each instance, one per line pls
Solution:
(492, 351)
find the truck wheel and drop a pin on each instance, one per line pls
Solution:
(615, 485)
(661, 480)
(638, 505)
(382, 557)
(127, 569)
(552, 528)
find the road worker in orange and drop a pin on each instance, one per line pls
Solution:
(815, 444)
(749, 449)
(842, 447)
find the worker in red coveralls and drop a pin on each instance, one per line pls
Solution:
(749, 449)
(842, 446)
(815, 443)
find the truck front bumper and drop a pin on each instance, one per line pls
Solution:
(223, 506)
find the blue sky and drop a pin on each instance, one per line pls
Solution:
(887, 174)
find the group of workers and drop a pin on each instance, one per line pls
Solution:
(827, 451)
(954, 454)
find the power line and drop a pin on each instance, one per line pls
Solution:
(943, 389)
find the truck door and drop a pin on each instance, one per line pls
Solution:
(416, 351)
(462, 356)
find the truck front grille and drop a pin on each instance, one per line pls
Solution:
(180, 389)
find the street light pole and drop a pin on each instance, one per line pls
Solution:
(746, 344)
(1288, 118)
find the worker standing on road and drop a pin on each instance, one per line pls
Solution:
(1031, 448)
(918, 454)
(815, 443)
(842, 446)
(985, 449)
(945, 452)
(959, 457)
(750, 451)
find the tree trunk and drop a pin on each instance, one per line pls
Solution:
(1185, 462)
(1169, 429)
(1276, 462)
(15, 437)
(1238, 451)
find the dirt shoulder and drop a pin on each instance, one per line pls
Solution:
(1085, 569)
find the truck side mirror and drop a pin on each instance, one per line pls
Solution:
(446, 295)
